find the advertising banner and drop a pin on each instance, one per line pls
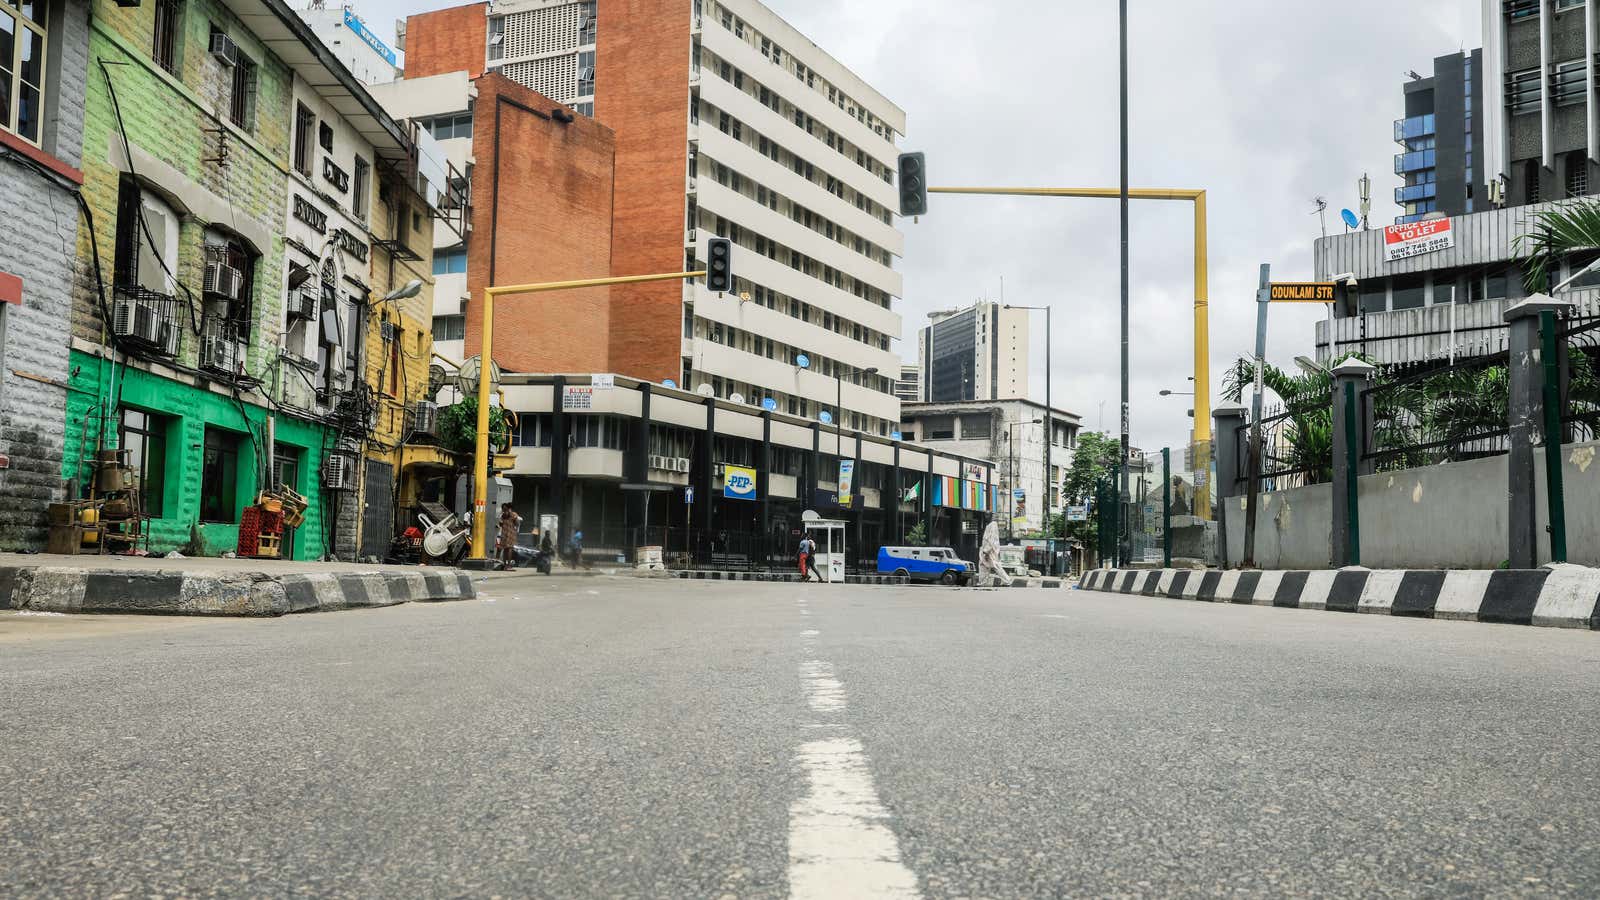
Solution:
(1417, 238)
(847, 473)
(738, 483)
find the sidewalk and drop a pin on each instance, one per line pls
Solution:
(211, 586)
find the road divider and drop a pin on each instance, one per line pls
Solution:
(1558, 596)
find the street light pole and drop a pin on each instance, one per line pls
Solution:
(1124, 543)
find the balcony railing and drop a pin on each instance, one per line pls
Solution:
(1415, 161)
(1413, 192)
(1413, 127)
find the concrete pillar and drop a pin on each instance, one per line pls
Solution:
(1525, 418)
(764, 487)
(560, 451)
(704, 491)
(1344, 539)
(636, 470)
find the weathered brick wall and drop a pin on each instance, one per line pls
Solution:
(178, 124)
(34, 373)
(642, 92)
(553, 224)
(447, 40)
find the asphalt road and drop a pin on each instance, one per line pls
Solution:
(612, 737)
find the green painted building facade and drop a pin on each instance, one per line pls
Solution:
(179, 291)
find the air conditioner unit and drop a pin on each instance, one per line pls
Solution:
(122, 314)
(169, 338)
(224, 49)
(722, 469)
(147, 326)
(425, 418)
(303, 305)
(682, 464)
(337, 474)
(219, 354)
(223, 280)
(658, 463)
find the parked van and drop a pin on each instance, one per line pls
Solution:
(939, 564)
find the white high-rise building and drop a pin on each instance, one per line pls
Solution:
(371, 57)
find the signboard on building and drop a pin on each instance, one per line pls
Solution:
(354, 23)
(1417, 238)
(603, 382)
(847, 473)
(1304, 292)
(975, 472)
(1077, 514)
(577, 398)
(738, 483)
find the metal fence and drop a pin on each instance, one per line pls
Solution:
(1437, 414)
(1580, 387)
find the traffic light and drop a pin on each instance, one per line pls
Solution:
(913, 185)
(719, 265)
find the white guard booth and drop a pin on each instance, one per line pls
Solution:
(829, 535)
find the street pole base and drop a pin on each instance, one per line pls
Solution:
(478, 565)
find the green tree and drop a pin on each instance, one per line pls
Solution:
(458, 427)
(1094, 459)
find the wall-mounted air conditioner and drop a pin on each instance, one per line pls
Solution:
(223, 280)
(660, 463)
(337, 472)
(425, 418)
(224, 49)
(303, 304)
(219, 354)
(682, 464)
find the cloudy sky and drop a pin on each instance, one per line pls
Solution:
(1266, 104)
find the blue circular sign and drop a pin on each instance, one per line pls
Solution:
(803, 361)
(669, 383)
(826, 417)
(769, 404)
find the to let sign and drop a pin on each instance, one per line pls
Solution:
(1304, 292)
(1417, 238)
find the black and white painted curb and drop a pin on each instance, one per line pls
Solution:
(1554, 596)
(206, 593)
(704, 575)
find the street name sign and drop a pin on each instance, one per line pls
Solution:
(1304, 292)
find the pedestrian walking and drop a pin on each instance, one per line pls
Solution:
(804, 541)
(575, 548)
(510, 525)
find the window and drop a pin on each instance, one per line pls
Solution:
(164, 45)
(304, 122)
(22, 83)
(450, 262)
(533, 430)
(1577, 173)
(1492, 286)
(1374, 297)
(359, 188)
(444, 128)
(223, 247)
(242, 100)
(219, 476)
(449, 328)
(144, 436)
(146, 241)
(1444, 292)
(1408, 292)
(1576, 265)
(585, 73)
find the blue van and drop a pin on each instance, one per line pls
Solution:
(939, 564)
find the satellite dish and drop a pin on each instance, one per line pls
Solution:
(736, 397)
(1349, 218)
(803, 361)
(826, 417)
(467, 376)
(668, 382)
(705, 390)
(894, 435)
(769, 404)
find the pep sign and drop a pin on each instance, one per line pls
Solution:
(739, 483)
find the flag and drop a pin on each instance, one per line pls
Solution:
(914, 492)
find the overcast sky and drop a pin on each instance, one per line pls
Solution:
(1263, 103)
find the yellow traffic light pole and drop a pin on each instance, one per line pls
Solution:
(480, 482)
(1202, 332)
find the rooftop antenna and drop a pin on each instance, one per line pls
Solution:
(1321, 212)
(1414, 75)
(1364, 188)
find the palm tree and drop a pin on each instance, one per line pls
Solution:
(1306, 442)
(1558, 232)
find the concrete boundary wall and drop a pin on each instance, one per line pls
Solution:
(1562, 596)
(209, 593)
(1447, 516)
